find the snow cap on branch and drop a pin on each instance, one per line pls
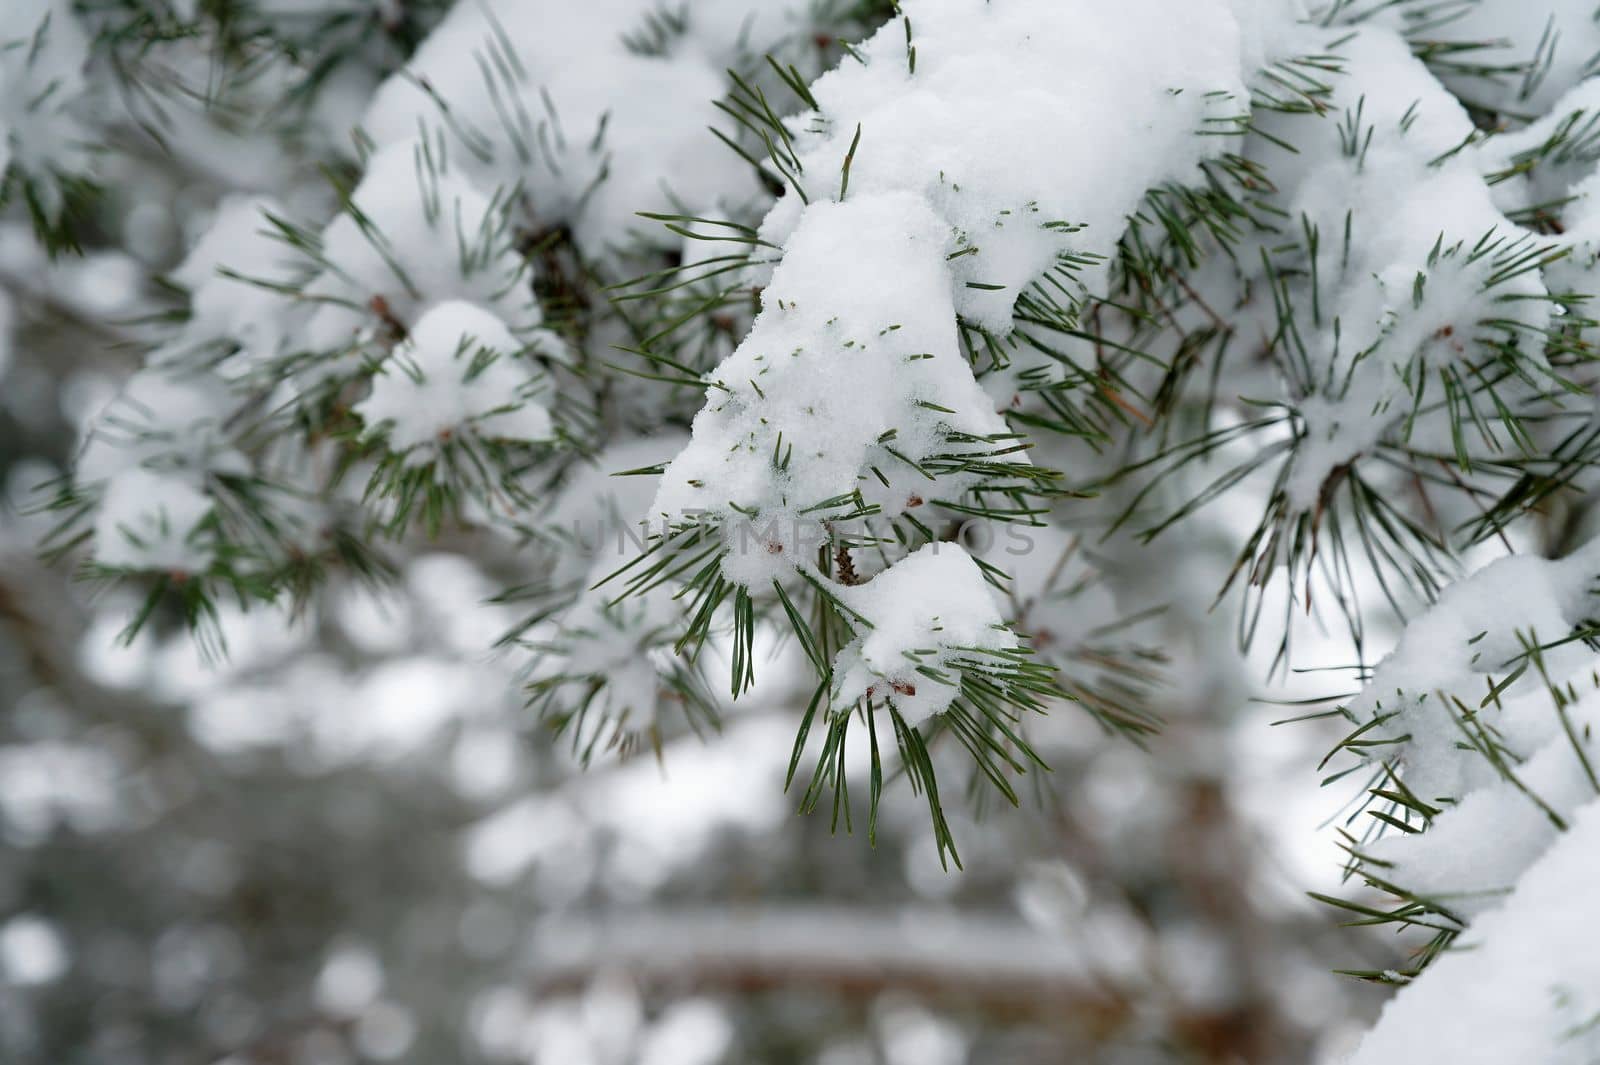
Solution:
(414, 234)
(932, 616)
(992, 113)
(457, 372)
(850, 380)
(1528, 990)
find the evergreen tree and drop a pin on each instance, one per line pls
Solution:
(890, 389)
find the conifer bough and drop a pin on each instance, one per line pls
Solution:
(1068, 267)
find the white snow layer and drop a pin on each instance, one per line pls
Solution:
(980, 148)
(857, 332)
(231, 274)
(1031, 128)
(417, 234)
(1471, 637)
(551, 96)
(148, 453)
(151, 521)
(1407, 300)
(43, 54)
(1524, 986)
(932, 609)
(458, 371)
(1515, 846)
(1508, 57)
